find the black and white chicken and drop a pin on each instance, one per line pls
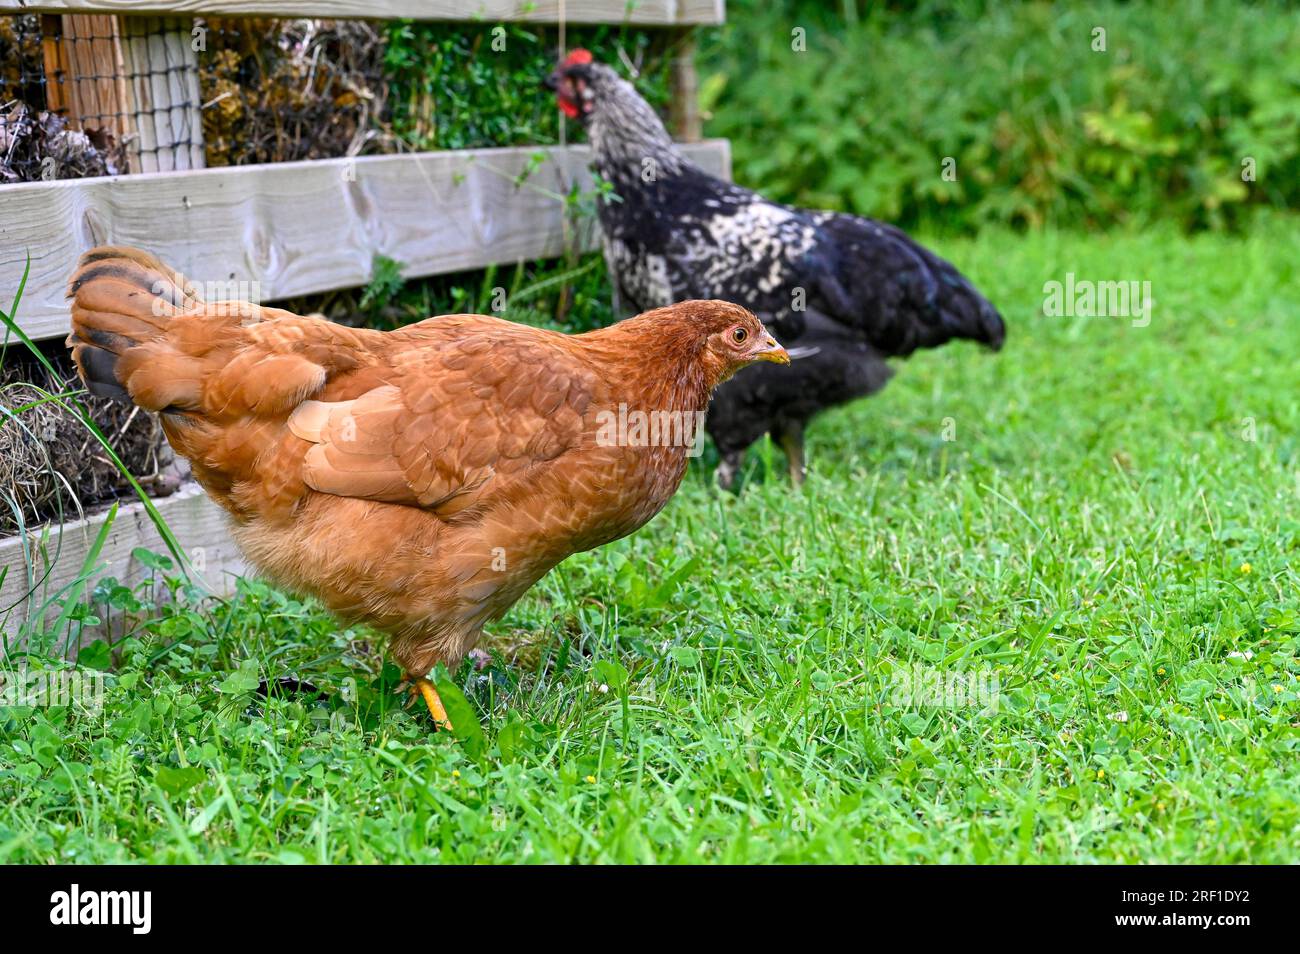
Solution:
(842, 292)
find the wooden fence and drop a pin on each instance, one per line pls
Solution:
(296, 228)
(634, 12)
(290, 228)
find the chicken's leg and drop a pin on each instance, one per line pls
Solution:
(729, 468)
(431, 699)
(791, 440)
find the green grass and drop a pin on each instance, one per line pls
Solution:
(1099, 533)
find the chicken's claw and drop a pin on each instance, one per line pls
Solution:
(431, 699)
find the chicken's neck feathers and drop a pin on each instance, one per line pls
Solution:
(666, 373)
(627, 135)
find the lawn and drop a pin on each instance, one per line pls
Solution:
(1109, 540)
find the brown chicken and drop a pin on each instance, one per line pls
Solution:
(420, 480)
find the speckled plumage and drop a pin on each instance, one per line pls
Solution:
(674, 232)
(420, 479)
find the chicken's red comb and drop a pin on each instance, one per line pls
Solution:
(578, 57)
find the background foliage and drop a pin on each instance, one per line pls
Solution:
(1044, 130)
(450, 89)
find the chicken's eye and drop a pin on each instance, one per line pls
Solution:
(738, 335)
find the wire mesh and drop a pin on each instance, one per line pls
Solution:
(87, 95)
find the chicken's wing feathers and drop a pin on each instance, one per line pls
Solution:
(310, 419)
(457, 416)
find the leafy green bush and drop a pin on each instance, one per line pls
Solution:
(465, 86)
(1044, 130)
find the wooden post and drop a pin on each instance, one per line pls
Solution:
(685, 111)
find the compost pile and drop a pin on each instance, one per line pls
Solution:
(51, 466)
(39, 145)
(283, 90)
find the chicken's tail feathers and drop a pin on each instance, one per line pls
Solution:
(940, 301)
(902, 296)
(968, 313)
(131, 315)
(945, 302)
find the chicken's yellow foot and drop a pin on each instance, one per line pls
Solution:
(432, 700)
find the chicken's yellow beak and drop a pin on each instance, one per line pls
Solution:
(769, 350)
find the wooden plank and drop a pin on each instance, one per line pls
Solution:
(297, 228)
(199, 525)
(135, 56)
(163, 75)
(641, 12)
(94, 78)
(55, 62)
